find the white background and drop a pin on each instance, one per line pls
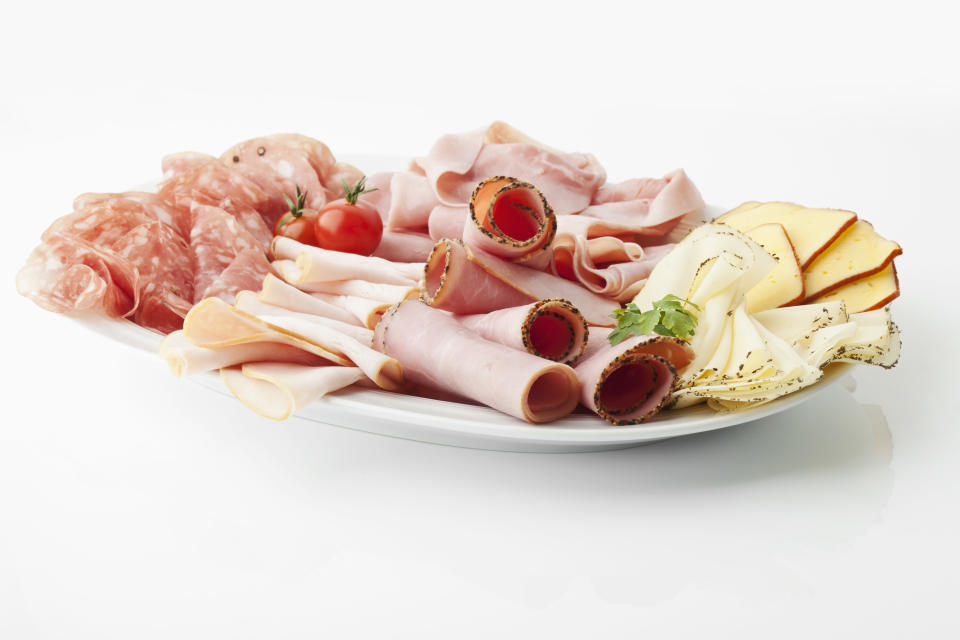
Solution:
(134, 505)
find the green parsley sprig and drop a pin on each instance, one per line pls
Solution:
(669, 317)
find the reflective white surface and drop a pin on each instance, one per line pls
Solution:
(135, 505)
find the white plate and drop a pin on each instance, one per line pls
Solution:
(477, 426)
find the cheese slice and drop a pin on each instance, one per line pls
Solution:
(867, 293)
(784, 285)
(810, 231)
(859, 251)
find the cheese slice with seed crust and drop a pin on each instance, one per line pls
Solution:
(859, 251)
(810, 231)
(867, 293)
(784, 285)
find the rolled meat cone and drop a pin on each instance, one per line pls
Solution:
(553, 329)
(510, 219)
(464, 280)
(632, 381)
(437, 352)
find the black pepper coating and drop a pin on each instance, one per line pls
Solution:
(547, 221)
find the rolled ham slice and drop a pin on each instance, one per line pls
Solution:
(465, 281)
(277, 390)
(185, 358)
(510, 219)
(553, 329)
(632, 381)
(313, 264)
(437, 352)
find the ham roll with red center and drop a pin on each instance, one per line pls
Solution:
(512, 220)
(631, 382)
(461, 279)
(437, 352)
(553, 329)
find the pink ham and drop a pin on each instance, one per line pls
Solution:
(277, 390)
(448, 221)
(607, 265)
(69, 274)
(400, 246)
(457, 162)
(217, 240)
(437, 352)
(653, 204)
(314, 264)
(278, 293)
(165, 264)
(404, 200)
(185, 358)
(463, 280)
(510, 219)
(553, 329)
(631, 382)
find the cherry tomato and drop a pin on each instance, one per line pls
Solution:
(351, 228)
(299, 228)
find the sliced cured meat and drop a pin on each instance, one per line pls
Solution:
(69, 274)
(510, 219)
(248, 217)
(103, 223)
(607, 266)
(177, 163)
(278, 293)
(248, 302)
(281, 163)
(218, 183)
(631, 382)
(463, 280)
(245, 272)
(457, 162)
(453, 281)
(165, 264)
(185, 358)
(404, 200)
(399, 246)
(655, 203)
(152, 203)
(277, 390)
(216, 239)
(213, 324)
(389, 293)
(437, 352)
(448, 221)
(365, 310)
(553, 329)
(313, 264)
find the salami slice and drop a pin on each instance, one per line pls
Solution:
(217, 239)
(245, 272)
(69, 274)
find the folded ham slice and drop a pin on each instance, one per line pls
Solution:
(403, 199)
(511, 219)
(632, 381)
(457, 162)
(607, 265)
(185, 358)
(463, 280)
(313, 264)
(277, 390)
(553, 329)
(248, 302)
(214, 324)
(400, 246)
(275, 291)
(437, 352)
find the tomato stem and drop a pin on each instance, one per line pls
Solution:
(350, 194)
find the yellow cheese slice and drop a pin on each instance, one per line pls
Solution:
(867, 293)
(810, 231)
(859, 251)
(784, 285)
